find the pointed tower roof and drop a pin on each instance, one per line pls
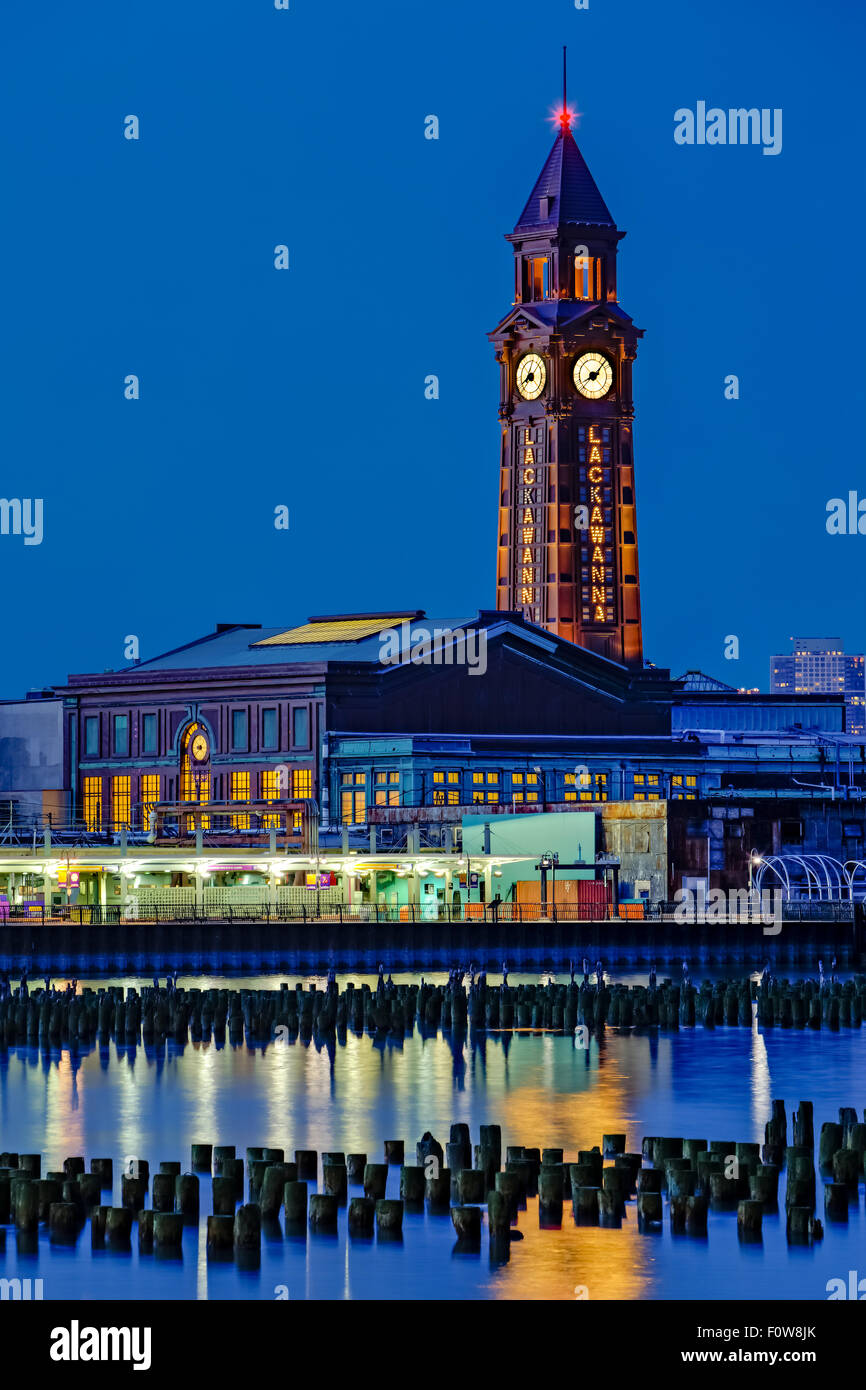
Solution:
(569, 190)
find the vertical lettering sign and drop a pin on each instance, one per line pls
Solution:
(598, 592)
(529, 488)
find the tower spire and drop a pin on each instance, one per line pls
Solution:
(566, 116)
(566, 123)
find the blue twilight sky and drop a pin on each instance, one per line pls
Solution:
(306, 387)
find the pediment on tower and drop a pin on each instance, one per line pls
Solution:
(554, 316)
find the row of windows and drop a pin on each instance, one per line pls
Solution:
(269, 732)
(239, 789)
(537, 280)
(453, 787)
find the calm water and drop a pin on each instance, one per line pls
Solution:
(155, 1102)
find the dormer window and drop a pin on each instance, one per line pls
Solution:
(587, 278)
(545, 207)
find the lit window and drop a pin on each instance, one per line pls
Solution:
(149, 797)
(302, 783)
(353, 808)
(691, 781)
(493, 776)
(453, 776)
(93, 803)
(638, 779)
(639, 796)
(438, 776)
(478, 777)
(653, 779)
(270, 791)
(240, 791)
(532, 779)
(587, 278)
(538, 277)
(120, 801)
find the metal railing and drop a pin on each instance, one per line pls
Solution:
(350, 914)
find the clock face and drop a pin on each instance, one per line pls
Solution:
(593, 375)
(199, 748)
(531, 376)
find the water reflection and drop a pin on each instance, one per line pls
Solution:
(154, 1101)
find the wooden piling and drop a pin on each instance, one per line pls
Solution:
(247, 1230)
(412, 1184)
(167, 1230)
(750, 1217)
(220, 1234)
(202, 1158)
(64, 1223)
(389, 1216)
(375, 1180)
(162, 1192)
(836, 1198)
(308, 1164)
(118, 1227)
(145, 1231)
(467, 1223)
(335, 1181)
(103, 1169)
(295, 1202)
(323, 1211)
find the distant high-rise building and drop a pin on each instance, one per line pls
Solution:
(819, 666)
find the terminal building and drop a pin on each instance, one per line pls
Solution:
(394, 759)
(266, 764)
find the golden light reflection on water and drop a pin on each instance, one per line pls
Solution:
(547, 1263)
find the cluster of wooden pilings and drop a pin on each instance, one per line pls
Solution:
(131, 1016)
(694, 1175)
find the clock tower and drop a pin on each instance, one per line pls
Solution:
(567, 555)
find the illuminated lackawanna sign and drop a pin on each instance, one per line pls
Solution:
(597, 577)
(530, 496)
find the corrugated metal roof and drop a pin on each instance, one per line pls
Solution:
(234, 648)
